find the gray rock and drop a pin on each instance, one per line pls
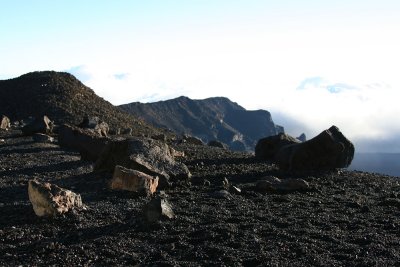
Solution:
(100, 127)
(143, 154)
(302, 137)
(157, 209)
(222, 194)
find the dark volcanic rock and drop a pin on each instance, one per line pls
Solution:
(302, 137)
(210, 119)
(216, 143)
(96, 124)
(89, 143)
(268, 147)
(39, 125)
(327, 151)
(143, 154)
(158, 208)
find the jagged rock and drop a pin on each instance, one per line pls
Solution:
(158, 208)
(216, 143)
(131, 180)
(176, 153)
(96, 124)
(49, 200)
(273, 184)
(86, 141)
(5, 122)
(327, 151)
(38, 125)
(42, 138)
(268, 147)
(143, 154)
(302, 137)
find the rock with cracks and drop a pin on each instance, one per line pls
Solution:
(327, 151)
(143, 154)
(132, 180)
(50, 200)
(86, 141)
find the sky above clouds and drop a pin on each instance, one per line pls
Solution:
(311, 63)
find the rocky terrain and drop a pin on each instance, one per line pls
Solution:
(233, 210)
(344, 219)
(215, 118)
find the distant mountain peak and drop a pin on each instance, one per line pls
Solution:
(214, 118)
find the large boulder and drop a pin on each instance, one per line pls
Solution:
(89, 143)
(327, 151)
(50, 200)
(268, 147)
(147, 155)
(38, 125)
(5, 122)
(94, 123)
(135, 181)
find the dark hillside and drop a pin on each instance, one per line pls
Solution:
(63, 98)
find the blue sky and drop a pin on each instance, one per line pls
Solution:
(311, 63)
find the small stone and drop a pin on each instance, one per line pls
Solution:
(235, 190)
(206, 182)
(158, 208)
(223, 194)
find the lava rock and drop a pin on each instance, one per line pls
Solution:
(50, 200)
(38, 125)
(273, 184)
(131, 180)
(143, 154)
(158, 208)
(86, 141)
(327, 151)
(268, 147)
(100, 127)
(216, 143)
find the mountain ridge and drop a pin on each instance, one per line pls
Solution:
(214, 118)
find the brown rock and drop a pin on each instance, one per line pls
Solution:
(49, 200)
(131, 180)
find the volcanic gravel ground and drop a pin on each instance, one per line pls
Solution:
(345, 219)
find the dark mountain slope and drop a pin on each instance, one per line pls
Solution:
(63, 98)
(215, 118)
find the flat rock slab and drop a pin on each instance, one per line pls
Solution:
(132, 180)
(50, 200)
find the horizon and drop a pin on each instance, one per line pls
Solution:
(310, 64)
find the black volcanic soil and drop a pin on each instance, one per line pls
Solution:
(346, 219)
